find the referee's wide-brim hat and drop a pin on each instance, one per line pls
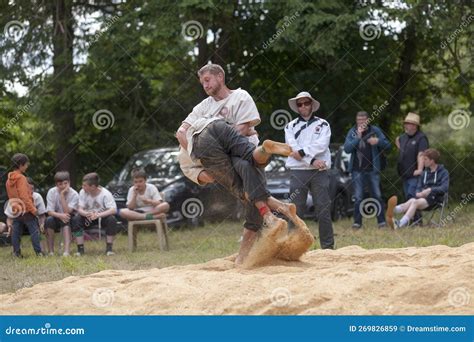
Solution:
(294, 107)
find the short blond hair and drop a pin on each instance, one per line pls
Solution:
(214, 69)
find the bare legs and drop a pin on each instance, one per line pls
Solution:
(158, 212)
(408, 208)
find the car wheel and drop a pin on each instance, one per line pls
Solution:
(195, 222)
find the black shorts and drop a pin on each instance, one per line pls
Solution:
(55, 224)
(433, 202)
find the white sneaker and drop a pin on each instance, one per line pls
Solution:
(77, 254)
(396, 224)
(51, 254)
(66, 254)
(110, 253)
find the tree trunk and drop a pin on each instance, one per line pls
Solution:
(63, 78)
(407, 59)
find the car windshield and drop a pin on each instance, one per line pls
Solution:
(157, 165)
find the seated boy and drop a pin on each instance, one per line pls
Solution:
(21, 202)
(62, 201)
(143, 200)
(96, 207)
(433, 184)
(17, 229)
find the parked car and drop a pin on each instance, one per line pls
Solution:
(212, 202)
(4, 239)
(190, 204)
(340, 184)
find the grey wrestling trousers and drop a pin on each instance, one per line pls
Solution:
(227, 156)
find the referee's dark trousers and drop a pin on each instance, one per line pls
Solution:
(302, 181)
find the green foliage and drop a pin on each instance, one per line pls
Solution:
(139, 67)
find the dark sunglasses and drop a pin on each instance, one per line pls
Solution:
(306, 103)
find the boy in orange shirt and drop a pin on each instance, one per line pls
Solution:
(21, 201)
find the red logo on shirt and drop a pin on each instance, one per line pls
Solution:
(224, 112)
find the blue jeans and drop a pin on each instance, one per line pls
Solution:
(409, 187)
(31, 222)
(375, 206)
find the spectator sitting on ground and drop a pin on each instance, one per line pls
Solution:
(96, 207)
(143, 200)
(432, 185)
(62, 201)
(40, 210)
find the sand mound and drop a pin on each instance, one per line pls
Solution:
(351, 280)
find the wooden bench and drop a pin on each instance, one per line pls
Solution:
(161, 231)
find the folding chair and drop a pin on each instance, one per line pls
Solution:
(441, 207)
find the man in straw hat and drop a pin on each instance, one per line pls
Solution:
(309, 136)
(411, 145)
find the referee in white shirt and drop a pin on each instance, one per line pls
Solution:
(309, 138)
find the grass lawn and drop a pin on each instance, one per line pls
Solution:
(188, 246)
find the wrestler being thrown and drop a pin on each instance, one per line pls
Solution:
(222, 151)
